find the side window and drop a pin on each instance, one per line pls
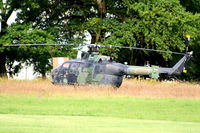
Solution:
(74, 68)
(98, 69)
(64, 69)
(85, 66)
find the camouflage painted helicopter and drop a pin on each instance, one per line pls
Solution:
(93, 68)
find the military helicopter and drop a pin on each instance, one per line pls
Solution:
(93, 68)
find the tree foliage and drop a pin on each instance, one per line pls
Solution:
(191, 5)
(39, 56)
(157, 24)
(194, 69)
(24, 34)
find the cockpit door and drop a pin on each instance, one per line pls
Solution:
(63, 73)
(73, 73)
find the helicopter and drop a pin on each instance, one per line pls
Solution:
(94, 68)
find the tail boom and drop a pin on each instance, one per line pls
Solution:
(178, 67)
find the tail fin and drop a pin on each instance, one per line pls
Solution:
(178, 67)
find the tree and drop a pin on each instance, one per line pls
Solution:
(71, 18)
(193, 69)
(39, 56)
(7, 7)
(25, 34)
(191, 5)
(155, 24)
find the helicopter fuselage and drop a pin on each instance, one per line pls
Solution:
(88, 72)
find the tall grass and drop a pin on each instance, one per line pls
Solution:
(130, 88)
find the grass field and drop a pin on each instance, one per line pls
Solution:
(136, 107)
(90, 124)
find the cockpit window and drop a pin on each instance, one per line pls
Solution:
(74, 67)
(66, 65)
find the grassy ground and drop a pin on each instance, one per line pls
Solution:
(90, 124)
(136, 107)
(122, 107)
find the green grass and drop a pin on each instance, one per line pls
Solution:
(32, 114)
(118, 107)
(87, 124)
(39, 107)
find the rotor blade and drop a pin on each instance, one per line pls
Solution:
(147, 49)
(90, 45)
(58, 44)
(84, 45)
